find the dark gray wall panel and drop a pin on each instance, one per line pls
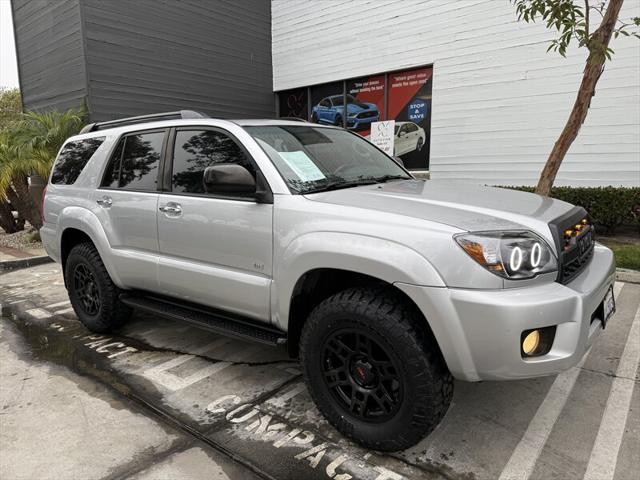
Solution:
(149, 55)
(50, 54)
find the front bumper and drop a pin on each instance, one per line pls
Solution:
(479, 330)
(360, 123)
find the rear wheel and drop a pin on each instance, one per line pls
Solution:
(93, 295)
(419, 144)
(373, 372)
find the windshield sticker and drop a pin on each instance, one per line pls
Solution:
(302, 166)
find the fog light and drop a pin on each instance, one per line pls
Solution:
(531, 342)
(537, 342)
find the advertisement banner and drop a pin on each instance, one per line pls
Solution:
(294, 103)
(365, 103)
(327, 104)
(409, 104)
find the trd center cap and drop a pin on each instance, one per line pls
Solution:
(362, 373)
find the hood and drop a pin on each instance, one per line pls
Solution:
(360, 107)
(463, 206)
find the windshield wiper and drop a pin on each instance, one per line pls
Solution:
(387, 178)
(338, 185)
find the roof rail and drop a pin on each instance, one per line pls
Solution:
(153, 117)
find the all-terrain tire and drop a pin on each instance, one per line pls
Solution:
(110, 313)
(388, 319)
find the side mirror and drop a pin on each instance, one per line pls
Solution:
(399, 161)
(228, 178)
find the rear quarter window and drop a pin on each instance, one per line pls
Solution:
(73, 158)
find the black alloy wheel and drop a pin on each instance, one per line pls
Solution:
(373, 368)
(93, 295)
(86, 289)
(361, 375)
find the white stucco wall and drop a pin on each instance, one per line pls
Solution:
(499, 100)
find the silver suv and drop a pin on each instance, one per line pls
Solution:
(290, 233)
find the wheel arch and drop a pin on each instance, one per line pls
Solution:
(318, 284)
(78, 225)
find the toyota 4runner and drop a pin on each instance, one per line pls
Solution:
(290, 233)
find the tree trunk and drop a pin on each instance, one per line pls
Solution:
(599, 42)
(21, 201)
(7, 221)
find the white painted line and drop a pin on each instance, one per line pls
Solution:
(161, 375)
(38, 313)
(62, 312)
(617, 287)
(280, 400)
(524, 457)
(59, 304)
(604, 456)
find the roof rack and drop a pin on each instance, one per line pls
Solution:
(154, 117)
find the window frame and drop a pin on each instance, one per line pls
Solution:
(167, 169)
(163, 152)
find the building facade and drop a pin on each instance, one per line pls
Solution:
(473, 93)
(126, 58)
(490, 99)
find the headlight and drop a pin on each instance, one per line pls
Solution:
(352, 114)
(511, 254)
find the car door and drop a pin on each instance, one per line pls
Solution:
(324, 111)
(215, 248)
(401, 144)
(126, 203)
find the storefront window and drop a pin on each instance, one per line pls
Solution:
(404, 97)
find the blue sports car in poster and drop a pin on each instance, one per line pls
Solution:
(330, 110)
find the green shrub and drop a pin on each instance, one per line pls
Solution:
(608, 207)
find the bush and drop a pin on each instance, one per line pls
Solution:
(608, 207)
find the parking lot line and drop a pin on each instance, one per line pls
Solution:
(524, 457)
(59, 304)
(604, 456)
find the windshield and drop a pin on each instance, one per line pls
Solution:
(339, 101)
(313, 159)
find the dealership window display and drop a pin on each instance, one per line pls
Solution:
(355, 104)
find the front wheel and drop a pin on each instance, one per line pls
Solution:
(338, 121)
(371, 369)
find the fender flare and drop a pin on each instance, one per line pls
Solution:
(84, 220)
(379, 258)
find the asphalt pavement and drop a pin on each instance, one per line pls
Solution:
(161, 400)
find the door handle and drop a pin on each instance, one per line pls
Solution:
(105, 201)
(171, 208)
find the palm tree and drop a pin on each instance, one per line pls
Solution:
(44, 133)
(15, 166)
(31, 148)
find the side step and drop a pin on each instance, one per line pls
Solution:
(212, 320)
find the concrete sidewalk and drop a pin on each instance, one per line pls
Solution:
(56, 424)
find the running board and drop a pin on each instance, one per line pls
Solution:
(214, 321)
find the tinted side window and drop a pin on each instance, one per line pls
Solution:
(112, 174)
(72, 159)
(140, 161)
(196, 150)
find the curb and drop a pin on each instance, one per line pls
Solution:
(23, 263)
(627, 276)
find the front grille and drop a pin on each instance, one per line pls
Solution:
(574, 236)
(368, 114)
